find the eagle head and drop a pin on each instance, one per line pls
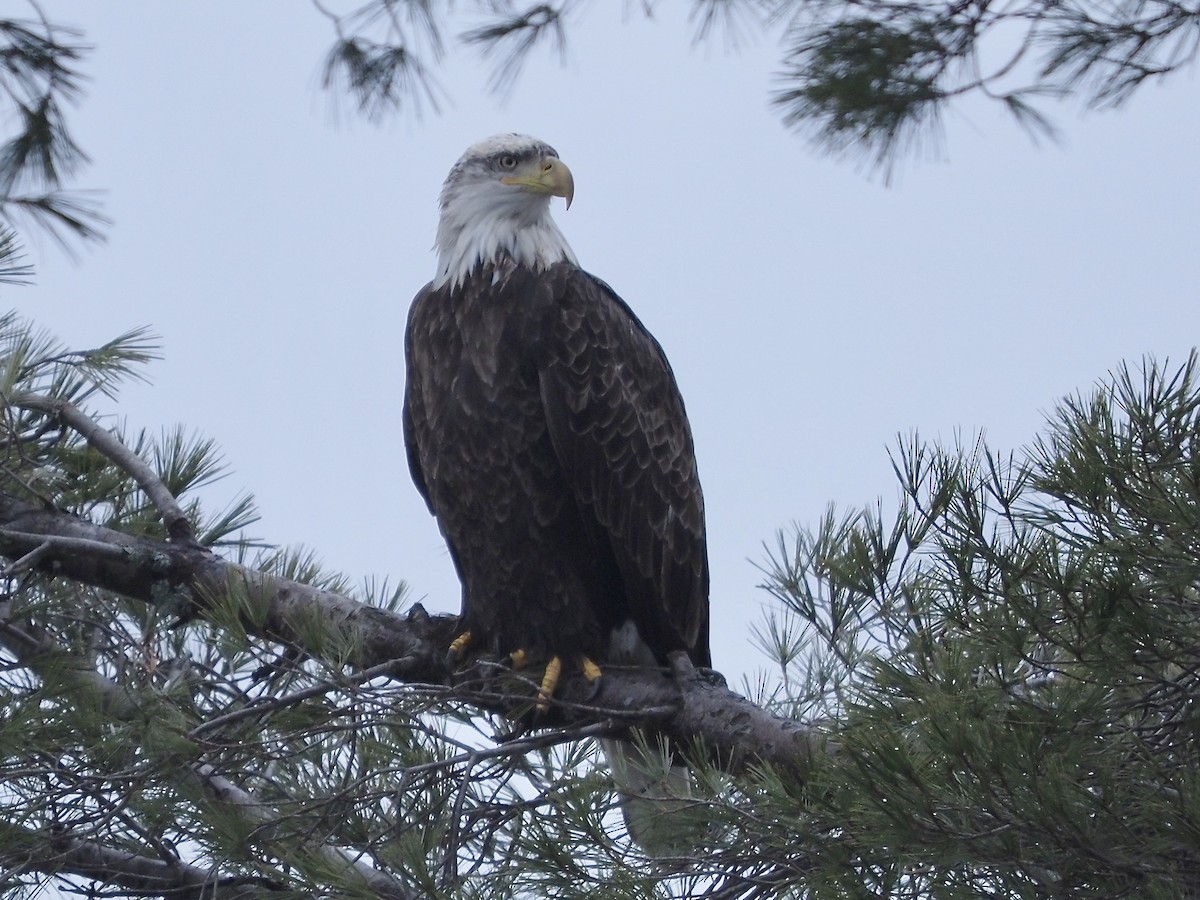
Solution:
(495, 209)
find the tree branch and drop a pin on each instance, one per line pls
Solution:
(690, 711)
(337, 858)
(39, 653)
(57, 852)
(179, 527)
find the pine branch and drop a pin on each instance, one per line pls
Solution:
(33, 649)
(513, 37)
(694, 711)
(869, 77)
(178, 526)
(58, 852)
(12, 269)
(263, 814)
(39, 77)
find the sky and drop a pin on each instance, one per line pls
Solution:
(812, 311)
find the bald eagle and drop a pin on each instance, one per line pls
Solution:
(545, 430)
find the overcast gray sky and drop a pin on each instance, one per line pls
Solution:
(811, 312)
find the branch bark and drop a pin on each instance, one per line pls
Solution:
(57, 852)
(690, 710)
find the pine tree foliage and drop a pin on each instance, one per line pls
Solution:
(39, 79)
(872, 77)
(1004, 670)
(151, 752)
(1012, 661)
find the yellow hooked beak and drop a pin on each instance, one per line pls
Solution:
(548, 175)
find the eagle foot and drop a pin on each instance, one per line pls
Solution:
(593, 674)
(518, 659)
(458, 649)
(549, 683)
(553, 675)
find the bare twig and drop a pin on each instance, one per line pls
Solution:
(272, 704)
(29, 560)
(58, 544)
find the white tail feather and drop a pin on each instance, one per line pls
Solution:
(655, 791)
(655, 797)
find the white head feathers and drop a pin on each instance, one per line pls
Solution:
(495, 208)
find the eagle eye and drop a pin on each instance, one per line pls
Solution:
(508, 161)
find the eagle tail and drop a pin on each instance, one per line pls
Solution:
(655, 795)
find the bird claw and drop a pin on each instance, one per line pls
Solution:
(593, 674)
(549, 683)
(458, 649)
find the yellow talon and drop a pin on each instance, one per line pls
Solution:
(549, 683)
(457, 646)
(591, 671)
(519, 659)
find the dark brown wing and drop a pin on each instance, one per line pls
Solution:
(619, 427)
(407, 421)
(481, 455)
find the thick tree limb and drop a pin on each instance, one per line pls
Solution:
(57, 852)
(691, 710)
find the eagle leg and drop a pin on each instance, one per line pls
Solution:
(518, 659)
(549, 683)
(458, 647)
